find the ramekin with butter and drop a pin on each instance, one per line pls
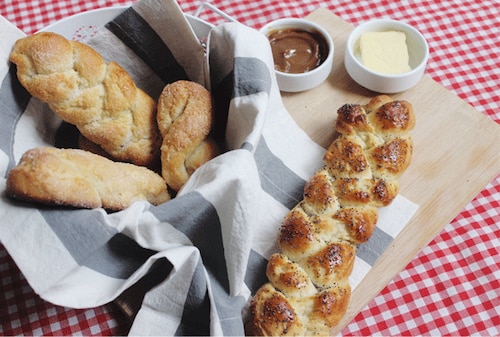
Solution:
(386, 56)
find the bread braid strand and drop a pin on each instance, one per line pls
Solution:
(99, 98)
(308, 290)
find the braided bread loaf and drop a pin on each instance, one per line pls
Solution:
(100, 99)
(185, 117)
(308, 290)
(79, 178)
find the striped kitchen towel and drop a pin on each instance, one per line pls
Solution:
(203, 253)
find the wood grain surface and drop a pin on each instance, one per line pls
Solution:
(456, 154)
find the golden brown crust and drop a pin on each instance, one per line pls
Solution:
(87, 145)
(82, 179)
(100, 99)
(308, 290)
(329, 265)
(273, 315)
(185, 118)
(288, 277)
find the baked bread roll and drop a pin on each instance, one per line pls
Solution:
(185, 117)
(308, 290)
(100, 99)
(73, 177)
(87, 145)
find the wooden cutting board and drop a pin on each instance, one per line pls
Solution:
(456, 154)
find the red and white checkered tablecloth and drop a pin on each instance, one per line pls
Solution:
(451, 287)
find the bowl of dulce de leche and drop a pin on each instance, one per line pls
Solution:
(302, 53)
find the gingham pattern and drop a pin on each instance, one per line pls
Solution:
(451, 287)
(22, 312)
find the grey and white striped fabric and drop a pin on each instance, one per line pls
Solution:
(204, 251)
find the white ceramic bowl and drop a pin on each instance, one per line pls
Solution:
(295, 82)
(418, 51)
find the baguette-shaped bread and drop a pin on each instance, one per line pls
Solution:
(100, 99)
(308, 290)
(73, 177)
(185, 117)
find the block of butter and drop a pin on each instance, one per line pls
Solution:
(385, 52)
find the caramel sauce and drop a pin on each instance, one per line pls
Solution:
(297, 51)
